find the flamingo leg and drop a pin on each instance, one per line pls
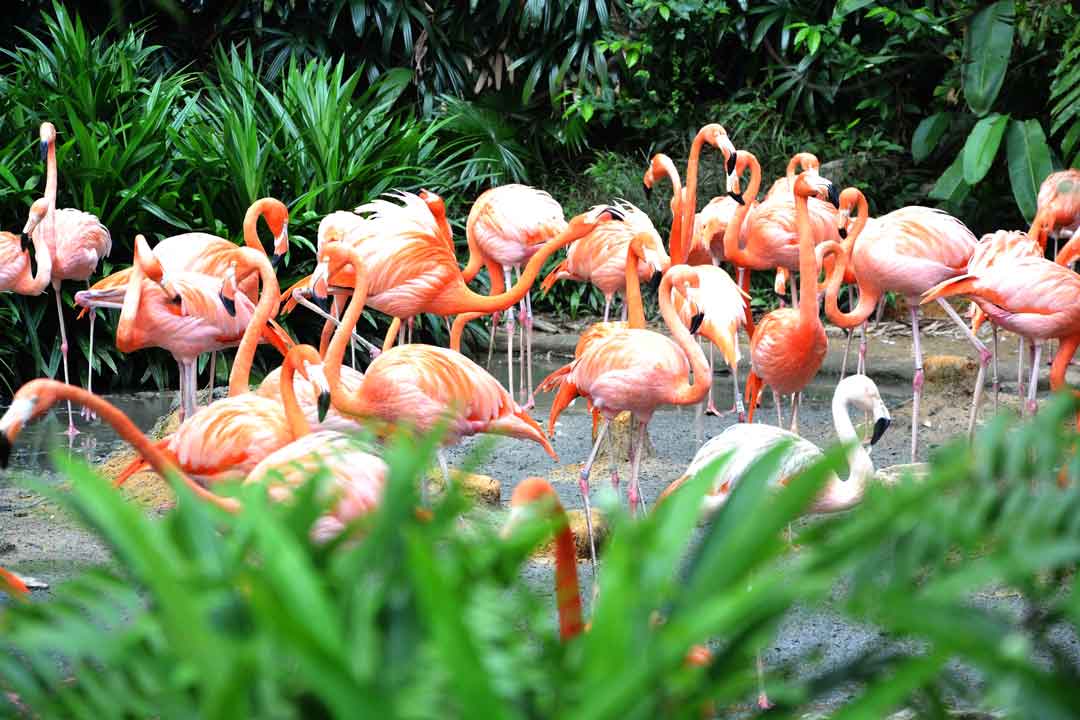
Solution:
(862, 350)
(880, 311)
(583, 486)
(794, 292)
(408, 331)
(491, 339)
(72, 431)
(213, 373)
(634, 494)
(607, 308)
(740, 409)
(509, 336)
(779, 409)
(86, 413)
(401, 340)
(187, 388)
(850, 334)
(530, 399)
(623, 312)
(710, 407)
(994, 380)
(1033, 386)
(796, 400)
(699, 422)
(762, 698)
(984, 360)
(1020, 374)
(916, 382)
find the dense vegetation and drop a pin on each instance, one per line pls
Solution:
(175, 114)
(211, 615)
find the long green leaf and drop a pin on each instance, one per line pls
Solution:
(927, 135)
(982, 145)
(1029, 163)
(987, 47)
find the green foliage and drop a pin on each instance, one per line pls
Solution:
(214, 615)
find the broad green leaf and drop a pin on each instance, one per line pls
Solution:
(927, 135)
(981, 146)
(1029, 163)
(950, 187)
(987, 46)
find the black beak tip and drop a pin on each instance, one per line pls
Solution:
(843, 233)
(737, 197)
(275, 260)
(648, 191)
(44, 149)
(229, 303)
(880, 427)
(695, 323)
(5, 451)
(834, 196)
(324, 405)
(731, 164)
(24, 241)
(654, 281)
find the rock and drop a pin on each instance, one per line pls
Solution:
(889, 476)
(950, 370)
(481, 488)
(576, 518)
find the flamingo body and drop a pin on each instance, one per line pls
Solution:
(509, 223)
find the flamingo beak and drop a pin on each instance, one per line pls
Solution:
(275, 260)
(834, 195)
(654, 281)
(648, 190)
(228, 302)
(44, 145)
(882, 420)
(16, 416)
(737, 197)
(695, 322)
(843, 233)
(24, 241)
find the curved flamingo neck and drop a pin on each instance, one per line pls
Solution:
(678, 239)
(35, 284)
(458, 297)
(51, 175)
(125, 326)
(843, 494)
(868, 296)
(269, 297)
(684, 393)
(251, 225)
(733, 252)
(294, 416)
(335, 353)
(862, 217)
(689, 199)
(123, 426)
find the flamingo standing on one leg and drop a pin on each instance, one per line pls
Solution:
(789, 344)
(77, 240)
(636, 370)
(907, 251)
(507, 225)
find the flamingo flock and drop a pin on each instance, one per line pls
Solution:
(197, 293)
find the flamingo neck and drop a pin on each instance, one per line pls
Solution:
(35, 284)
(352, 404)
(269, 297)
(635, 306)
(567, 591)
(251, 222)
(868, 295)
(843, 494)
(123, 426)
(808, 307)
(689, 200)
(294, 416)
(733, 252)
(126, 340)
(684, 393)
(678, 232)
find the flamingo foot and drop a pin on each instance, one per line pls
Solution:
(985, 356)
(530, 403)
(714, 411)
(763, 701)
(1032, 407)
(72, 431)
(632, 497)
(87, 414)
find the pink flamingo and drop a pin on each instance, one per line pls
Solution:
(77, 241)
(907, 251)
(15, 274)
(600, 256)
(789, 344)
(507, 225)
(1060, 193)
(636, 370)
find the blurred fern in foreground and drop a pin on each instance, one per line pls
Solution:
(210, 615)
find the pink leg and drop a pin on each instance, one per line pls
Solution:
(530, 399)
(710, 407)
(779, 409)
(510, 330)
(1020, 375)
(491, 338)
(994, 380)
(862, 350)
(916, 383)
(213, 373)
(984, 360)
(71, 431)
(607, 308)
(1033, 386)
(635, 491)
(583, 486)
(86, 413)
(850, 333)
(762, 698)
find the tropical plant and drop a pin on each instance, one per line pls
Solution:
(215, 615)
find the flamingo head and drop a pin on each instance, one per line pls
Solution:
(31, 401)
(660, 167)
(717, 136)
(307, 362)
(227, 294)
(277, 219)
(810, 184)
(47, 134)
(533, 498)
(862, 392)
(849, 199)
(38, 210)
(320, 282)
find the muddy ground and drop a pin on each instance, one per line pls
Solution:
(36, 541)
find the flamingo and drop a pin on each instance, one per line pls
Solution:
(357, 476)
(202, 253)
(1060, 192)
(1030, 296)
(77, 241)
(15, 274)
(789, 344)
(769, 230)
(423, 385)
(717, 136)
(800, 161)
(12, 584)
(191, 314)
(635, 370)
(745, 444)
(507, 225)
(907, 251)
(600, 256)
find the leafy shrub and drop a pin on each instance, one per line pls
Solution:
(216, 615)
